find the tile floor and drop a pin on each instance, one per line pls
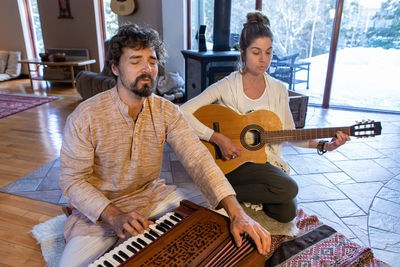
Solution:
(355, 189)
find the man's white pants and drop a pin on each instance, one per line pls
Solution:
(83, 250)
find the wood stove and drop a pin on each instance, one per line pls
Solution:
(204, 68)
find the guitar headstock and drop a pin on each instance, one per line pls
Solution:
(366, 129)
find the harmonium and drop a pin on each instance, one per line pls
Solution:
(191, 235)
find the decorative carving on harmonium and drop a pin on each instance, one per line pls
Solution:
(189, 236)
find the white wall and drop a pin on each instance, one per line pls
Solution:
(168, 17)
(147, 13)
(11, 31)
(79, 32)
(174, 33)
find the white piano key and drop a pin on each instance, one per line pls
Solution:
(148, 241)
(176, 217)
(153, 227)
(115, 252)
(96, 263)
(169, 214)
(123, 248)
(171, 220)
(143, 239)
(108, 257)
(125, 245)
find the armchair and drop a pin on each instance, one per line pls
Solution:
(89, 83)
(282, 68)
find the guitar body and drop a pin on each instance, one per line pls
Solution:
(235, 127)
(123, 7)
(253, 131)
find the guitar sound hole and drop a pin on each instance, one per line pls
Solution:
(253, 138)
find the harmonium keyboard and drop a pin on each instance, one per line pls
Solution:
(191, 235)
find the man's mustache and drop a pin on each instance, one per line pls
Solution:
(145, 76)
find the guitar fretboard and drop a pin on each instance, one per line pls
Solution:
(302, 134)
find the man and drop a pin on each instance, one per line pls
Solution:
(112, 153)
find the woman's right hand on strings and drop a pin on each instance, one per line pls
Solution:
(228, 148)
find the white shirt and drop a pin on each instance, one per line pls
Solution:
(229, 92)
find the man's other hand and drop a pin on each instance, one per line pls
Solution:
(242, 223)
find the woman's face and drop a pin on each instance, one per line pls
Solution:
(258, 56)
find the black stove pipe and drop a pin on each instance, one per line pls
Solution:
(222, 25)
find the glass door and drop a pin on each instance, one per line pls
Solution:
(368, 56)
(302, 36)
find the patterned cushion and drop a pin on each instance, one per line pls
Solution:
(13, 67)
(3, 61)
(4, 77)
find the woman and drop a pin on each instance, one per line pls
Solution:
(247, 90)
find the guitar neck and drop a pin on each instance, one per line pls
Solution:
(303, 134)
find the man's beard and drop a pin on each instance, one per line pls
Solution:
(146, 89)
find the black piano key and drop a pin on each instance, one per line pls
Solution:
(149, 236)
(154, 233)
(136, 245)
(141, 241)
(178, 215)
(131, 249)
(169, 223)
(174, 218)
(161, 228)
(166, 226)
(117, 258)
(123, 254)
(106, 263)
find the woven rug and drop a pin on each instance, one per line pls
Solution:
(317, 244)
(13, 103)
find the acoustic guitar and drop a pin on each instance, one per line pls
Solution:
(123, 7)
(253, 131)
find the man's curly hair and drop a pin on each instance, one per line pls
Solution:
(136, 37)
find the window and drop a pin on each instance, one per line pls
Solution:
(202, 13)
(110, 20)
(37, 28)
(368, 56)
(368, 50)
(303, 28)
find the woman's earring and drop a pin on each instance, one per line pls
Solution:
(242, 67)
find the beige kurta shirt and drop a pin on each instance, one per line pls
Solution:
(106, 158)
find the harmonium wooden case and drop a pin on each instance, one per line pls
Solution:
(191, 235)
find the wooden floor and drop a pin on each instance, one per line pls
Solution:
(28, 140)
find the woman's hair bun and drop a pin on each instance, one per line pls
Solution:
(256, 17)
